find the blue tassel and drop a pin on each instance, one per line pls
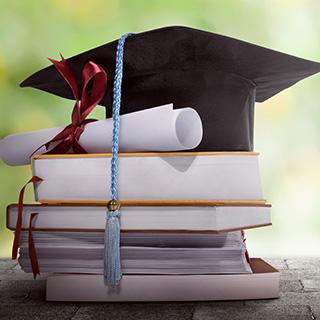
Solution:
(112, 264)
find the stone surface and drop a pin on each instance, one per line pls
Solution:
(291, 298)
(39, 312)
(311, 284)
(315, 310)
(6, 265)
(249, 312)
(307, 263)
(291, 286)
(21, 297)
(134, 311)
(10, 270)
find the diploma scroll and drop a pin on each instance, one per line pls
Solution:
(157, 129)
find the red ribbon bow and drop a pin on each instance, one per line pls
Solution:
(69, 136)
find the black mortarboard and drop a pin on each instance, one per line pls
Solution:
(219, 76)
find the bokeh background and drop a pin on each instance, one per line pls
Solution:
(287, 127)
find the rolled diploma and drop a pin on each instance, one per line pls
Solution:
(155, 129)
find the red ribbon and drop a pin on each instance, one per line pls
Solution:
(17, 234)
(32, 249)
(16, 240)
(69, 136)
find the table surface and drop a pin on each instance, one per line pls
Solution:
(21, 297)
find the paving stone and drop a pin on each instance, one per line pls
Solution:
(311, 264)
(6, 265)
(290, 286)
(134, 311)
(248, 312)
(232, 303)
(14, 276)
(311, 284)
(15, 273)
(315, 310)
(47, 312)
(16, 268)
(290, 298)
(22, 291)
(297, 274)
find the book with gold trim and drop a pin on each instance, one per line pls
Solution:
(189, 217)
(149, 176)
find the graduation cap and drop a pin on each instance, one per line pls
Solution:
(219, 76)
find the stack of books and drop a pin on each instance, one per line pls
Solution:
(182, 213)
(182, 221)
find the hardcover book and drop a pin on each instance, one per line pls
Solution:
(262, 283)
(190, 217)
(148, 176)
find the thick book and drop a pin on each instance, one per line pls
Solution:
(150, 239)
(162, 217)
(148, 176)
(86, 256)
(263, 283)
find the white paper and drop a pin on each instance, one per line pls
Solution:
(156, 129)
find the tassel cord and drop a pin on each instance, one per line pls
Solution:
(112, 262)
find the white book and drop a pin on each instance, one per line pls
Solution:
(140, 239)
(196, 218)
(141, 260)
(263, 283)
(148, 176)
(86, 256)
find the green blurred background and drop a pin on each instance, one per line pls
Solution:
(287, 127)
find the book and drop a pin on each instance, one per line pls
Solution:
(148, 176)
(209, 217)
(150, 239)
(262, 283)
(70, 256)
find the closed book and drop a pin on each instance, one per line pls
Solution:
(78, 254)
(186, 217)
(148, 176)
(141, 239)
(262, 283)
